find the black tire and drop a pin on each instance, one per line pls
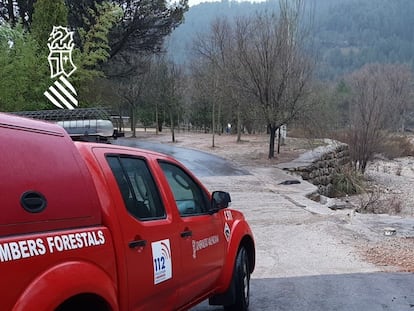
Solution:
(241, 282)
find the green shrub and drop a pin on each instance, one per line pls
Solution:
(348, 182)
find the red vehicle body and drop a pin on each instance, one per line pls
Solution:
(101, 227)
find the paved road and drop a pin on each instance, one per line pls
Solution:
(200, 163)
(319, 282)
(344, 292)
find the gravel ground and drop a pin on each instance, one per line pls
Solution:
(309, 242)
(394, 181)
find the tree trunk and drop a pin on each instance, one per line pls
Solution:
(172, 127)
(279, 136)
(238, 124)
(219, 123)
(214, 123)
(133, 122)
(272, 130)
(121, 120)
(402, 123)
(156, 118)
(178, 123)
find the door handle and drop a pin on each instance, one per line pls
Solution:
(137, 243)
(186, 234)
(33, 202)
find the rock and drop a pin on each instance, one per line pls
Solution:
(339, 205)
(389, 231)
(290, 182)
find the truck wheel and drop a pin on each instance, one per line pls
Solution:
(241, 282)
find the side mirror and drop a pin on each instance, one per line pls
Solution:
(220, 200)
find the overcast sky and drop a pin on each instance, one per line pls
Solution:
(194, 2)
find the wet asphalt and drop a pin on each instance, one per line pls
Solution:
(200, 163)
(342, 292)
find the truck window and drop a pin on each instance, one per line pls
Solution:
(137, 187)
(189, 197)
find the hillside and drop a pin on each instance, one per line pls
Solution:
(347, 33)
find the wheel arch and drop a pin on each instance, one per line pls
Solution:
(85, 301)
(241, 236)
(69, 281)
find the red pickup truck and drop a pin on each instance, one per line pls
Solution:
(101, 227)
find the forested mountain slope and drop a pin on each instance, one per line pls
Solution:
(346, 34)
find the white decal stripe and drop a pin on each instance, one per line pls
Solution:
(67, 94)
(60, 97)
(54, 101)
(68, 85)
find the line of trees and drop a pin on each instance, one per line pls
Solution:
(346, 33)
(260, 58)
(112, 40)
(254, 72)
(376, 102)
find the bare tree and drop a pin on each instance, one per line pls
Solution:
(275, 70)
(400, 81)
(200, 92)
(166, 88)
(174, 95)
(132, 90)
(261, 58)
(379, 96)
(205, 94)
(217, 49)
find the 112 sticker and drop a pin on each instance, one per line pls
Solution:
(161, 257)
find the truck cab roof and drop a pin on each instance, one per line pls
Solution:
(45, 183)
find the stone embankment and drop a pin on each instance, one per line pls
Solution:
(320, 165)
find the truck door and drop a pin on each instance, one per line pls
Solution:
(201, 234)
(149, 247)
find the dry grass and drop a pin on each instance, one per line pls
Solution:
(397, 146)
(251, 150)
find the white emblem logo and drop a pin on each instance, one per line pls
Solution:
(60, 56)
(61, 45)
